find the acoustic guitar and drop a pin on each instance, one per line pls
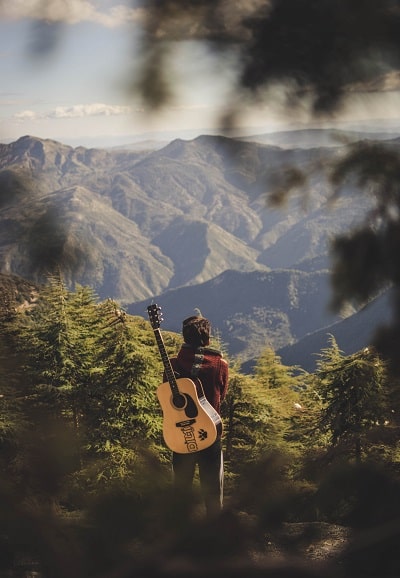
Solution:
(190, 423)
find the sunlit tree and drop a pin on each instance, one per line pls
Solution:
(122, 411)
(281, 388)
(352, 389)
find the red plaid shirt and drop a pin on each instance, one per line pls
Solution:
(208, 365)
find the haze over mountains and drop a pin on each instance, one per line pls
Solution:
(187, 225)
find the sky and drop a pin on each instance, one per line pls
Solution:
(77, 93)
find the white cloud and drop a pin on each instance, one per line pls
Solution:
(95, 109)
(69, 11)
(26, 115)
(76, 111)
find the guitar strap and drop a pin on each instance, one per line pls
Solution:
(196, 365)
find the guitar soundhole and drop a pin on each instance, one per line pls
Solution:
(179, 401)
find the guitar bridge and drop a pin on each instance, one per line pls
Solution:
(185, 423)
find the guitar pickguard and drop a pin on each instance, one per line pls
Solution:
(190, 408)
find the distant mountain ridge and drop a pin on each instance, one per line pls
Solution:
(183, 182)
(251, 310)
(187, 224)
(351, 334)
(321, 137)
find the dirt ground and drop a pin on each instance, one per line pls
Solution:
(314, 540)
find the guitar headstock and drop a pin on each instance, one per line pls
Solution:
(155, 315)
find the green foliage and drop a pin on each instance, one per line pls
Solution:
(245, 423)
(282, 389)
(88, 366)
(80, 428)
(120, 401)
(261, 417)
(353, 395)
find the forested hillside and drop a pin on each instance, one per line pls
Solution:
(17, 294)
(252, 310)
(82, 450)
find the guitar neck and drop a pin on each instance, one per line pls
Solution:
(167, 363)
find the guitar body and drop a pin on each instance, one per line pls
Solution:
(190, 423)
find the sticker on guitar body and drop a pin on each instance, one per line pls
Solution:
(189, 434)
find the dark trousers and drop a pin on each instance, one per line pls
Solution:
(211, 474)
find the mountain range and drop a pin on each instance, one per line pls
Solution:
(188, 225)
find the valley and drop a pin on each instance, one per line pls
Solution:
(193, 224)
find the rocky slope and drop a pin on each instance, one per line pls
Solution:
(188, 224)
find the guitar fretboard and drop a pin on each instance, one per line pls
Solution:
(167, 363)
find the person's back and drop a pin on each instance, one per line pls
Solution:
(197, 360)
(207, 365)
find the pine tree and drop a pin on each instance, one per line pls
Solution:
(56, 341)
(352, 390)
(258, 411)
(281, 388)
(122, 411)
(244, 426)
(89, 371)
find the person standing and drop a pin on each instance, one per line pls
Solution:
(197, 360)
